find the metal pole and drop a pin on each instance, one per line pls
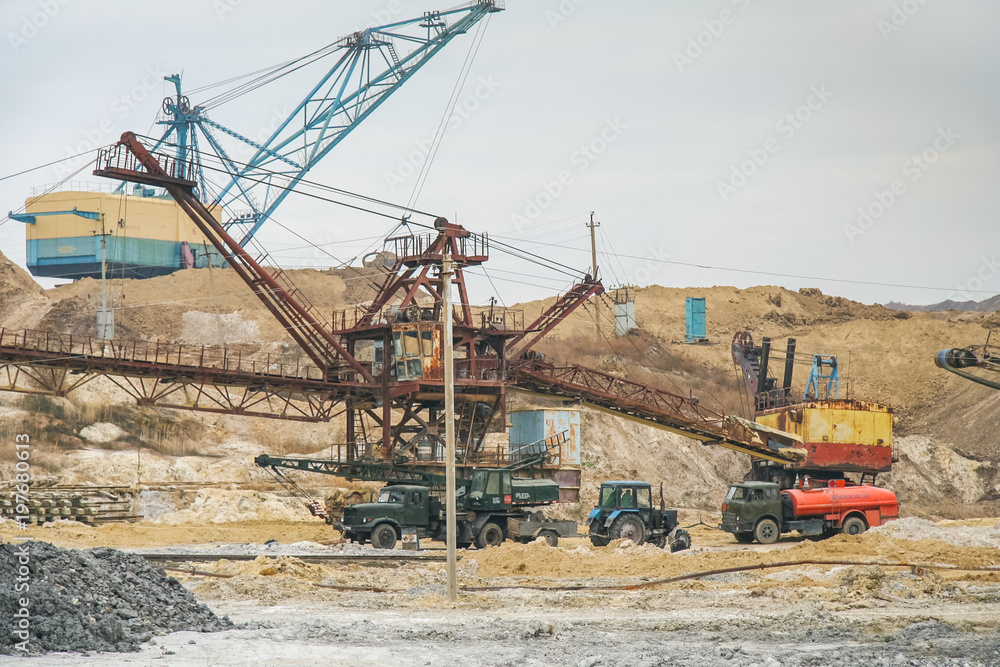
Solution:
(102, 315)
(593, 276)
(593, 244)
(449, 428)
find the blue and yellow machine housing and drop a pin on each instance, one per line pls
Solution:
(147, 234)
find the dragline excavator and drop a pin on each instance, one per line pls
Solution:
(376, 366)
(394, 402)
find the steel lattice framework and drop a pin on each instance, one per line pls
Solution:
(367, 69)
(379, 366)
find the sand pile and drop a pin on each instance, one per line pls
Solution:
(285, 566)
(96, 600)
(201, 328)
(214, 506)
(154, 309)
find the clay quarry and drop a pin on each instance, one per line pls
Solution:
(268, 395)
(277, 585)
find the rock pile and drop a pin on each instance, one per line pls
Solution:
(95, 600)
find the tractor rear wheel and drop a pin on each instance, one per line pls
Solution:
(766, 531)
(628, 526)
(853, 526)
(491, 535)
(384, 536)
(744, 538)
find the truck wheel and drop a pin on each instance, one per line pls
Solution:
(680, 540)
(551, 537)
(744, 538)
(491, 535)
(630, 527)
(384, 536)
(599, 541)
(766, 531)
(853, 526)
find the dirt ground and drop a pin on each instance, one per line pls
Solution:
(552, 606)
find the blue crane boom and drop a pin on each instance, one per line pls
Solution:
(368, 69)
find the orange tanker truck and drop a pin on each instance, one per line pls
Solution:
(760, 511)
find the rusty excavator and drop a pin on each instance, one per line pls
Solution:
(377, 366)
(838, 435)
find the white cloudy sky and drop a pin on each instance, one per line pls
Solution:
(884, 86)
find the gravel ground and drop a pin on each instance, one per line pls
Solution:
(676, 628)
(100, 599)
(271, 549)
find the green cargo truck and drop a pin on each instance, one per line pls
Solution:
(492, 506)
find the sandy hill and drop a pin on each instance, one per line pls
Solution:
(945, 426)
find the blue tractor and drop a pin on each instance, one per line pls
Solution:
(625, 510)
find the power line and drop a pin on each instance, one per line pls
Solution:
(463, 76)
(766, 273)
(47, 164)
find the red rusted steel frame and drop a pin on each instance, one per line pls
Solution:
(298, 321)
(671, 411)
(555, 314)
(403, 273)
(416, 256)
(154, 362)
(617, 392)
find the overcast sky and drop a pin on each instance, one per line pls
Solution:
(827, 139)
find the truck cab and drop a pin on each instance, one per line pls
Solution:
(398, 505)
(746, 505)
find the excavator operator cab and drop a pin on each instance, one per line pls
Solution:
(415, 353)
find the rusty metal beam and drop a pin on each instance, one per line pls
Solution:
(552, 316)
(655, 407)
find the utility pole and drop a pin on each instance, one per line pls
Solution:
(593, 245)
(593, 276)
(447, 270)
(105, 320)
